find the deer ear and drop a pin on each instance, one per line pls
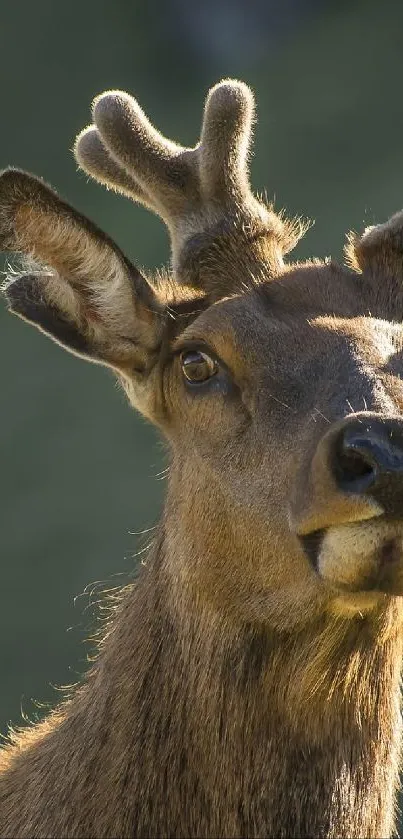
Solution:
(78, 287)
(377, 254)
(379, 249)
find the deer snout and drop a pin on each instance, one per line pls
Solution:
(348, 504)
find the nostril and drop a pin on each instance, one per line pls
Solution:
(355, 464)
(352, 464)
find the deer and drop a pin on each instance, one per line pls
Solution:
(246, 684)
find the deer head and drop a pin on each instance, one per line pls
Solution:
(278, 385)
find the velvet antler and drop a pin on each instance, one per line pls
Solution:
(201, 193)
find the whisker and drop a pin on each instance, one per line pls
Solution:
(322, 415)
(160, 476)
(281, 403)
(350, 406)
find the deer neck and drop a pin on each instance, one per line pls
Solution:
(252, 733)
(195, 724)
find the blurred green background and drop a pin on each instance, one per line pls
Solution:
(78, 468)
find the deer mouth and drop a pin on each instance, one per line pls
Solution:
(362, 556)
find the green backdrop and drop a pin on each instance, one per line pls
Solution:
(79, 470)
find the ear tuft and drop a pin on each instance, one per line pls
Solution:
(17, 191)
(81, 290)
(26, 298)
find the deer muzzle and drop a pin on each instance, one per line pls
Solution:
(348, 504)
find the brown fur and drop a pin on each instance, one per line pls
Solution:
(239, 690)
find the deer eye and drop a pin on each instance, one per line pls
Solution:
(197, 366)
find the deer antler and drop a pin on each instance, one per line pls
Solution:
(202, 193)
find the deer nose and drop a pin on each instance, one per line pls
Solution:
(367, 459)
(355, 473)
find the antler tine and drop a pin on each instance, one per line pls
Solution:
(93, 157)
(225, 140)
(160, 166)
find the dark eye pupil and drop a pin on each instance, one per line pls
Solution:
(197, 366)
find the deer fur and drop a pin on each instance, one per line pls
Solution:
(240, 688)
